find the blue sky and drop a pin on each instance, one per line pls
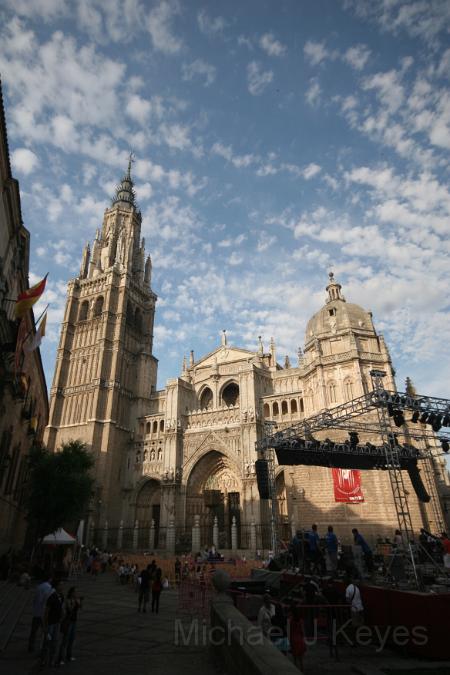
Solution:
(274, 141)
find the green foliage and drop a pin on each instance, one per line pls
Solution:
(60, 486)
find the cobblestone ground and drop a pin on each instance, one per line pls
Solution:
(113, 638)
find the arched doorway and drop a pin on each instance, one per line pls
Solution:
(214, 490)
(148, 507)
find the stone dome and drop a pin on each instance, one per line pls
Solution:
(338, 316)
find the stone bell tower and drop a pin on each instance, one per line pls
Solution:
(105, 371)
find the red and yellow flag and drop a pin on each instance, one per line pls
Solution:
(28, 298)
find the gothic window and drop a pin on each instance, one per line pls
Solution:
(152, 455)
(145, 455)
(365, 385)
(284, 408)
(98, 307)
(266, 410)
(293, 406)
(147, 428)
(206, 399)
(84, 309)
(161, 425)
(159, 453)
(230, 395)
(332, 392)
(302, 406)
(155, 427)
(275, 410)
(349, 389)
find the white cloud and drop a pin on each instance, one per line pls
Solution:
(315, 52)
(312, 94)
(311, 170)
(211, 26)
(138, 109)
(159, 24)
(24, 160)
(271, 45)
(235, 259)
(258, 79)
(357, 56)
(199, 68)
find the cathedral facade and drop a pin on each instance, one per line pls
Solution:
(175, 468)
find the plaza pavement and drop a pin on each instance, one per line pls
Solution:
(113, 638)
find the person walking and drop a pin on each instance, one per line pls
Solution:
(68, 625)
(156, 590)
(296, 637)
(331, 543)
(144, 589)
(41, 594)
(265, 616)
(366, 550)
(51, 623)
(353, 598)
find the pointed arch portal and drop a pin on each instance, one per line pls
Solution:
(214, 490)
(148, 508)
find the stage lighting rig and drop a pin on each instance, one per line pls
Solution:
(445, 444)
(415, 416)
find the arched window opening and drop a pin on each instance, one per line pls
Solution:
(275, 410)
(230, 394)
(293, 406)
(349, 389)
(332, 392)
(147, 428)
(206, 399)
(84, 310)
(155, 427)
(138, 319)
(159, 453)
(98, 307)
(161, 425)
(266, 410)
(284, 408)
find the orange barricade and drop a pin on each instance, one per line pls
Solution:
(194, 597)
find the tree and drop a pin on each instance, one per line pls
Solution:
(60, 486)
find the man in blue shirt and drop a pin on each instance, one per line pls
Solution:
(331, 543)
(367, 551)
(315, 554)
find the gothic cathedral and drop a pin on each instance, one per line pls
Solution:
(183, 457)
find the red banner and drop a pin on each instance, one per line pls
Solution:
(347, 486)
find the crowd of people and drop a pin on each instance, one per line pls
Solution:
(317, 555)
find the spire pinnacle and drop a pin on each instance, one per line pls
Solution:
(125, 189)
(334, 289)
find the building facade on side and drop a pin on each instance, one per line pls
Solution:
(23, 391)
(180, 462)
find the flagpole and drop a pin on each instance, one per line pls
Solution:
(35, 323)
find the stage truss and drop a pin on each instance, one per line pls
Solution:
(397, 443)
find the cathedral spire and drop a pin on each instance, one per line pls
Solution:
(125, 189)
(334, 289)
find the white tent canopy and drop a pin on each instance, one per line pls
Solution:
(59, 538)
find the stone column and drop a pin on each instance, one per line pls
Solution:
(293, 527)
(170, 540)
(216, 533)
(234, 538)
(151, 538)
(253, 536)
(105, 536)
(196, 535)
(120, 535)
(135, 535)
